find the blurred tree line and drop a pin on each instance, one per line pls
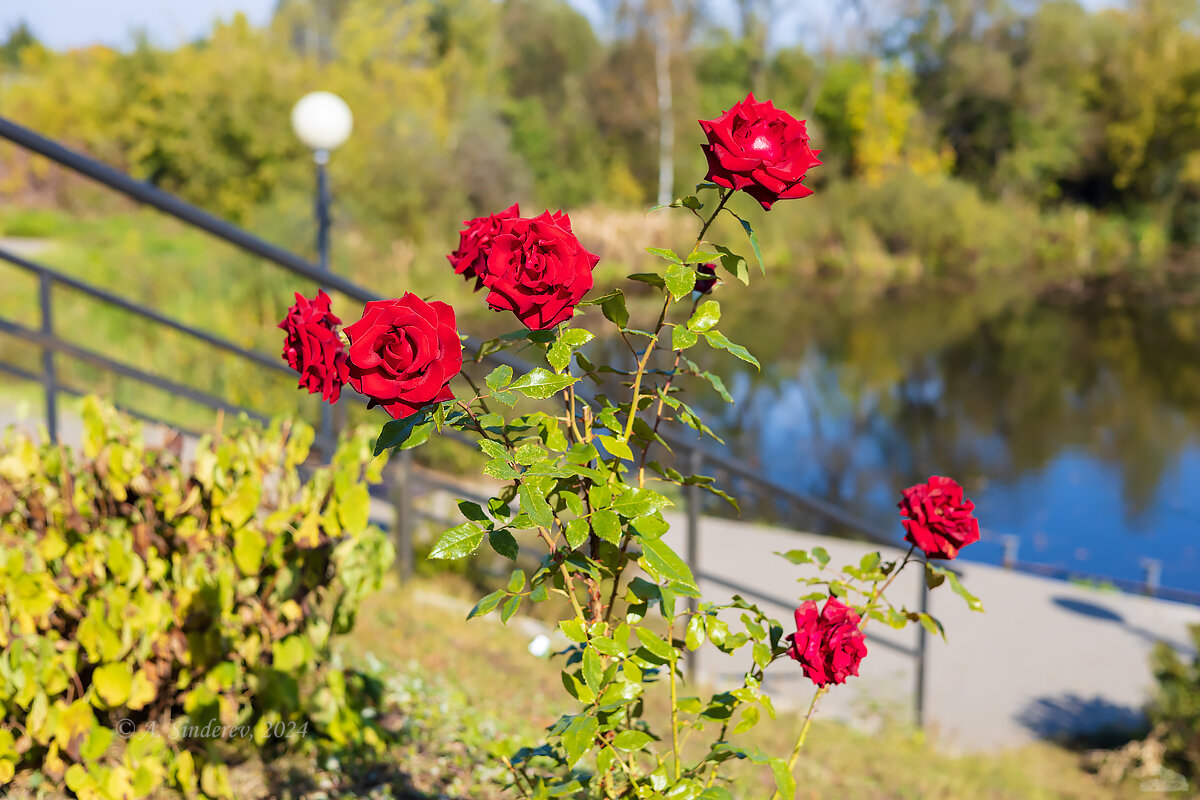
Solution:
(463, 105)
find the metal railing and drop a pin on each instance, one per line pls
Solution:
(789, 505)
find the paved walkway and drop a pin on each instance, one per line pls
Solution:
(1045, 658)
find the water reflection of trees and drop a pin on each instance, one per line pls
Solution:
(988, 386)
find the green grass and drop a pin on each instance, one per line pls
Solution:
(492, 691)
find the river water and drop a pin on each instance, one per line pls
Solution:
(1074, 424)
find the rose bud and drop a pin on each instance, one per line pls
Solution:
(706, 278)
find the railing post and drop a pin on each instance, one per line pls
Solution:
(919, 688)
(692, 548)
(49, 378)
(1011, 543)
(1153, 569)
(401, 492)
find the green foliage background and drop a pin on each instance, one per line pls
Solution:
(464, 105)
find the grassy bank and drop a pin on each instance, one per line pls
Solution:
(446, 672)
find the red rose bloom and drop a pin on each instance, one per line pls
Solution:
(939, 519)
(313, 348)
(759, 149)
(538, 270)
(474, 242)
(403, 354)
(706, 278)
(828, 644)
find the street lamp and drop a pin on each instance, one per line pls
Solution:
(323, 121)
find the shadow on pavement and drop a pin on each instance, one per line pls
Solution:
(1083, 723)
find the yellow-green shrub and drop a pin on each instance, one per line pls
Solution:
(142, 599)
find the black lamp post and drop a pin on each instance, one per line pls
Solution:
(323, 121)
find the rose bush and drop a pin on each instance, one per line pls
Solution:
(586, 476)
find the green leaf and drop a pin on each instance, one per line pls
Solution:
(639, 503)
(593, 671)
(400, 432)
(248, 547)
(797, 556)
(680, 279)
(576, 532)
(578, 737)
(632, 740)
(503, 542)
(493, 449)
(784, 782)
(614, 309)
(501, 470)
(487, 604)
(573, 630)
(706, 317)
(242, 502)
(659, 559)
(654, 643)
(715, 793)
(533, 504)
(934, 577)
(354, 507)
(694, 634)
(682, 338)
(510, 607)
(734, 264)
(569, 341)
(459, 541)
(540, 383)
(652, 278)
(529, 454)
(616, 447)
(499, 377)
(973, 602)
(932, 624)
(607, 525)
(663, 252)
(719, 340)
(757, 254)
(749, 720)
(113, 683)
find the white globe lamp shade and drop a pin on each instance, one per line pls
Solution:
(322, 120)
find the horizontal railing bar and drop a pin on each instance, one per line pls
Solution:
(71, 390)
(170, 204)
(104, 362)
(1128, 585)
(105, 296)
(20, 372)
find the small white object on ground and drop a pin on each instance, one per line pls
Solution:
(540, 646)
